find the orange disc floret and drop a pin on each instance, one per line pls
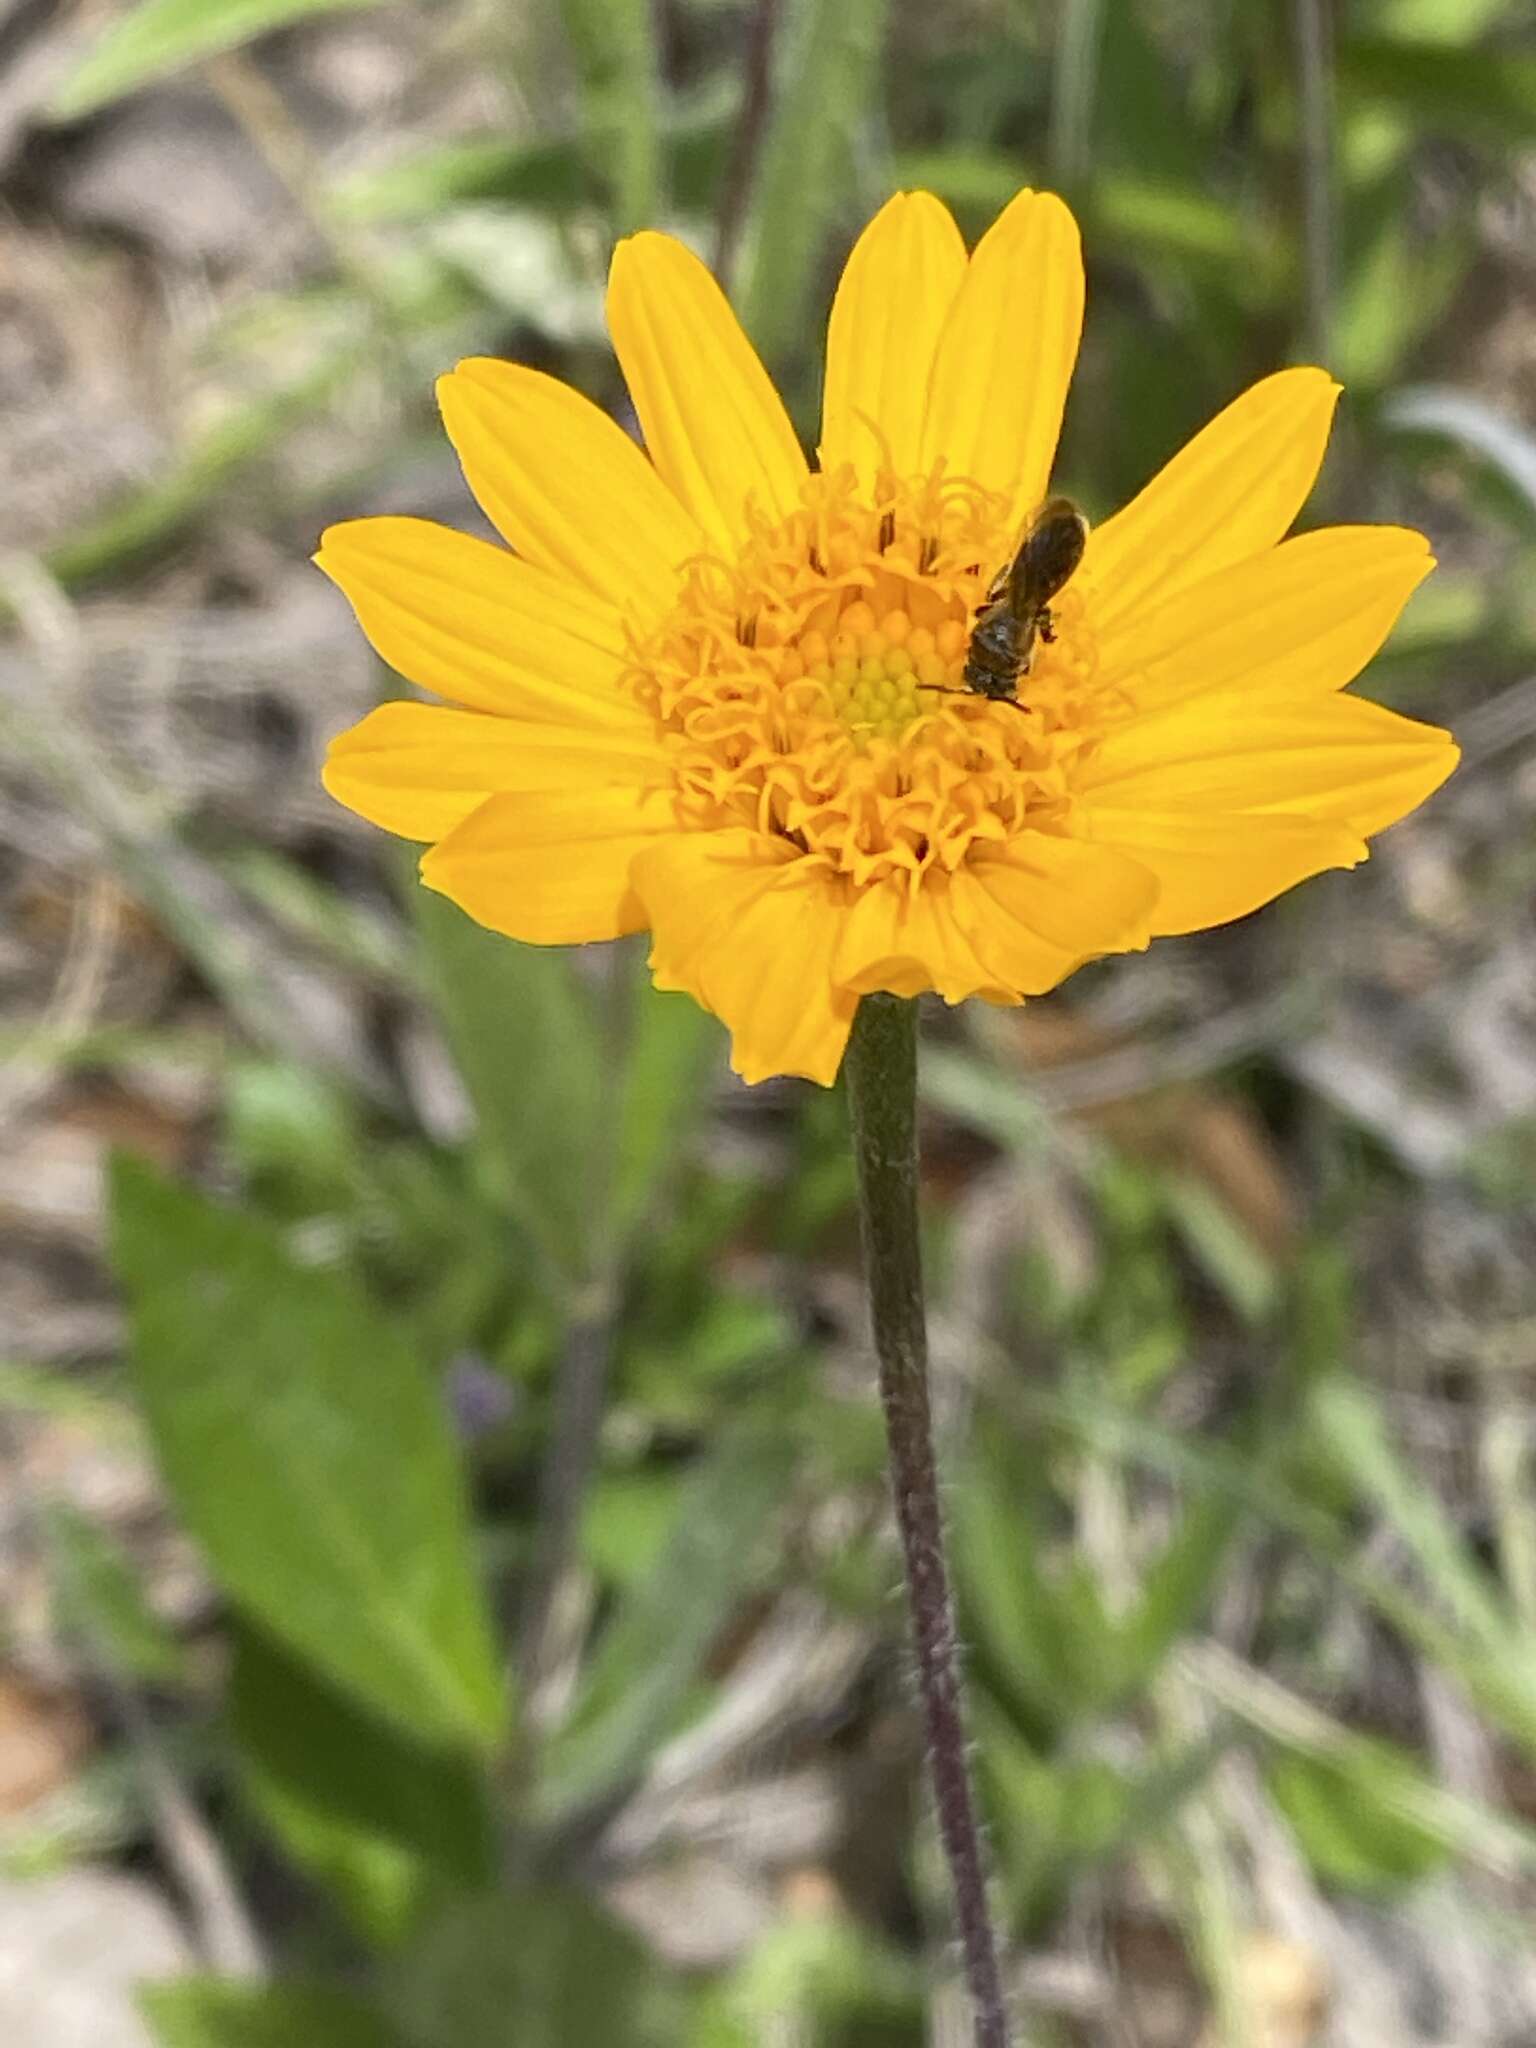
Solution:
(812, 688)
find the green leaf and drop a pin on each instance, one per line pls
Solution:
(650, 1655)
(1054, 1815)
(524, 1032)
(627, 1519)
(1144, 122)
(975, 181)
(1043, 1634)
(203, 2012)
(532, 1969)
(382, 1817)
(1395, 1783)
(1397, 282)
(98, 1594)
(1050, 1810)
(319, 914)
(978, 1095)
(1348, 1818)
(162, 36)
(677, 1373)
(419, 185)
(1350, 1434)
(1485, 95)
(822, 96)
(310, 1455)
(1177, 1587)
(293, 1132)
(1437, 21)
(672, 1047)
(614, 44)
(820, 1978)
(1231, 1256)
(1156, 220)
(380, 1889)
(1079, 36)
(548, 176)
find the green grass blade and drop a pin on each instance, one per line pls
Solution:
(651, 1653)
(614, 44)
(163, 36)
(522, 1026)
(1351, 1432)
(821, 98)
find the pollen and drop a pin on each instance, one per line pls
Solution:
(813, 688)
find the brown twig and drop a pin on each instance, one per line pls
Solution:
(756, 93)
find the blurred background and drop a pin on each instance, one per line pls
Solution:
(446, 1599)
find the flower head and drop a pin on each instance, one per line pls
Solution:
(717, 693)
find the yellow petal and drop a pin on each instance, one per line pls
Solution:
(716, 429)
(1211, 867)
(1378, 766)
(1340, 760)
(551, 867)
(565, 485)
(469, 622)
(890, 308)
(1231, 491)
(907, 942)
(420, 769)
(1038, 907)
(1005, 357)
(748, 929)
(1295, 622)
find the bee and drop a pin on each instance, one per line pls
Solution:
(1017, 610)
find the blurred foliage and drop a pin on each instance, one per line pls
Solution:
(351, 1367)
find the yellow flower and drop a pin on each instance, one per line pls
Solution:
(703, 693)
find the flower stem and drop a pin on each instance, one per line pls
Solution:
(881, 1072)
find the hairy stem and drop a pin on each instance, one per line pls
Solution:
(881, 1072)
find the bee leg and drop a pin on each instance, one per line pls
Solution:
(1045, 626)
(976, 696)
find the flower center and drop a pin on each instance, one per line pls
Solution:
(879, 674)
(813, 688)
